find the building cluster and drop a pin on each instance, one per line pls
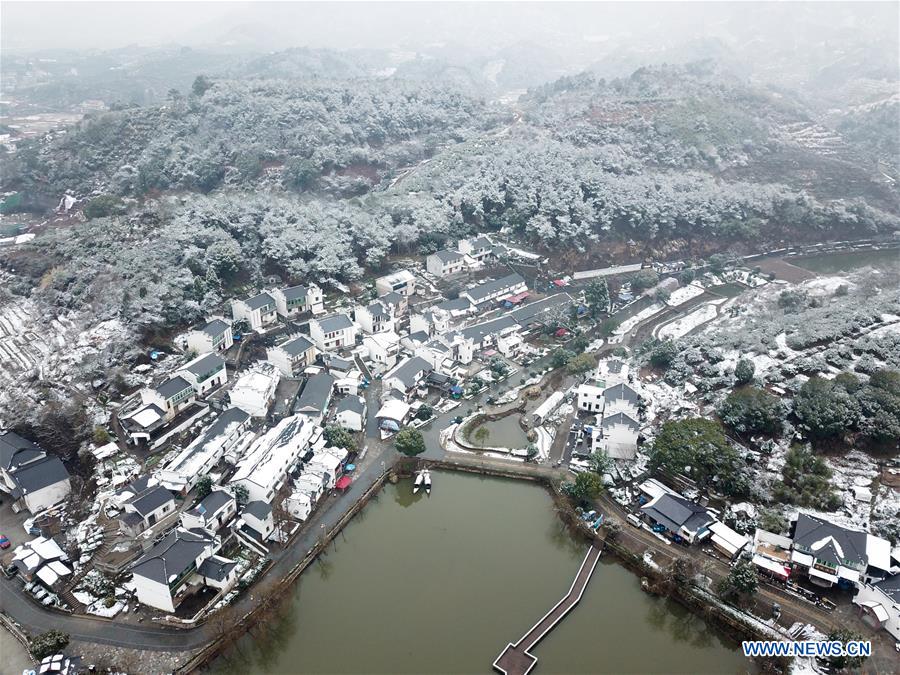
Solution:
(822, 552)
(613, 407)
(253, 431)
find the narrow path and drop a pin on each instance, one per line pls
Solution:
(517, 658)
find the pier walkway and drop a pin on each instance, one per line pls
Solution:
(517, 658)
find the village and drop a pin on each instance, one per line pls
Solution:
(256, 420)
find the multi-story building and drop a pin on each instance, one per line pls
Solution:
(205, 373)
(293, 356)
(296, 299)
(215, 336)
(402, 282)
(258, 311)
(335, 331)
(444, 263)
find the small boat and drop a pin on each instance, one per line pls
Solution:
(420, 478)
(427, 481)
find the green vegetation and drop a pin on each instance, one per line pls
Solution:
(752, 410)
(203, 487)
(410, 442)
(339, 437)
(698, 448)
(241, 494)
(643, 280)
(101, 435)
(425, 412)
(743, 371)
(806, 481)
(47, 644)
(103, 206)
(481, 435)
(741, 582)
(596, 296)
(580, 364)
(587, 487)
(841, 663)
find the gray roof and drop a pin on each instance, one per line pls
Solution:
(614, 366)
(173, 386)
(480, 242)
(418, 336)
(150, 500)
(212, 502)
(447, 255)
(392, 298)
(315, 394)
(836, 544)
(351, 403)
(676, 512)
(454, 305)
(297, 345)
(377, 309)
(39, 474)
(339, 363)
(408, 371)
(215, 327)
(620, 418)
(216, 568)
(534, 311)
(172, 556)
(890, 587)
(207, 364)
(227, 417)
(260, 300)
(334, 322)
(481, 291)
(480, 331)
(15, 450)
(258, 509)
(295, 292)
(621, 392)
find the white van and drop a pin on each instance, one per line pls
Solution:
(634, 520)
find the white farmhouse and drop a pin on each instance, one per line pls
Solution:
(213, 513)
(351, 413)
(879, 603)
(254, 391)
(32, 478)
(264, 467)
(206, 373)
(383, 349)
(406, 377)
(258, 311)
(402, 282)
(589, 398)
(293, 356)
(480, 248)
(444, 263)
(374, 318)
(489, 292)
(296, 299)
(215, 336)
(334, 331)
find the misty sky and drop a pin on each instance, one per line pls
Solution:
(570, 27)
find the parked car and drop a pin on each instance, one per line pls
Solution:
(634, 520)
(4, 541)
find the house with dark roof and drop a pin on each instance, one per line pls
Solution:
(258, 311)
(32, 478)
(257, 517)
(316, 395)
(493, 291)
(679, 516)
(407, 376)
(446, 262)
(480, 248)
(622, 398)
(350, 413)
(150, 506)
(879, 604)
(206, 373)
(829, 553)
(293, 356)
(214, 336)
(335, 331)
(168, 572)
(374, 318)
(294, 300)
(213, 512)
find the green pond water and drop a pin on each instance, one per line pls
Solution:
(835, 263)
(420, 584)
(503, 433)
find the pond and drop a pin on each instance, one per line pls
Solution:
(729, 290)
(836, 263)
(420, 584)
(502, 433)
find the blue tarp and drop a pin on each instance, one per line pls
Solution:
(390, 425)
(350, 467)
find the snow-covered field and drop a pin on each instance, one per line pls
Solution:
(684, 325)
(682, 295)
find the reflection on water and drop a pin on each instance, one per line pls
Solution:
(835, 263)
(443, 583)
(502, 433)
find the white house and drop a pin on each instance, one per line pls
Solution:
(299, 504)
(146, 509)
(589, 398)
(258, 311)
(431, 322)
(395, 303)
(374, 318)
(492, 291)
(479, 248)
(622, 398)
(329, 461)
(263, 468)
(293, 356)
(334, 331)
(167, 573)
(402, 282)
(206, 373)
(257, 515)
(407, 376)
(444, 263)
(879, 604)
(32, 478)
(296, 299)
(213, 513)
(254, 391)
(215, 336)
(351, 413)
(383, 349)
(204, 452)
(314, 399)
(617, 435)
(727, 541)
(392, 414)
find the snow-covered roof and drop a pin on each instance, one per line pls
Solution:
(393, 410)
